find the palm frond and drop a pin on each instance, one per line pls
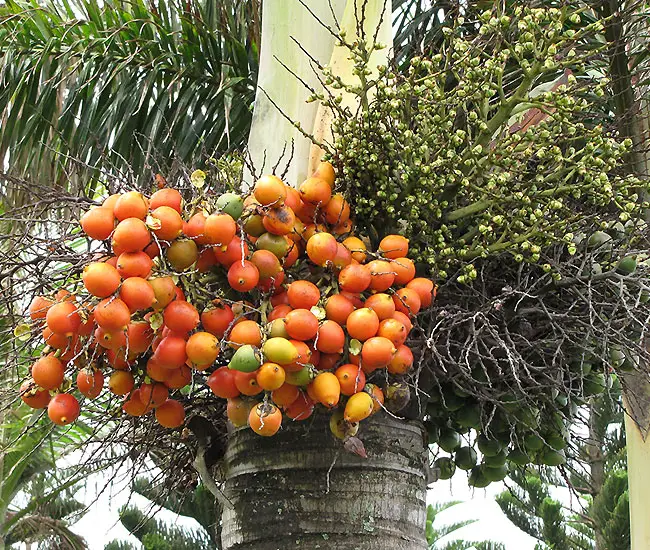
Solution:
(38, 528)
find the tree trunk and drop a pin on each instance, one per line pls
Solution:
(300, 488)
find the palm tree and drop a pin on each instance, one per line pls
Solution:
(435, 534)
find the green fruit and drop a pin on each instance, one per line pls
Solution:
(509, 402)
(466, 458)
(488, 447)
(459, 392)
(477, 477)
(254, 225)
(556, 441)
(598, 238)
(302, 377)
(449, 440)
(562, 399)
(519, 457)
(496, 474)
(616, 356)
(452, 402)
(231, 204)
(528, 416)
(469, 416)
(627, 265)
(594, 384)
(277, 244)
(533, 442)
(433, 432)
(497, 460)
(445, 467)
(246, 359)
(553, 458)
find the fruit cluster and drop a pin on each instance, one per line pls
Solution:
(269, 299)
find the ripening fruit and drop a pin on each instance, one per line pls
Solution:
(305, 355)
(238, 410)
(277, 244)
(171, 352)
(285, 395)
(222, 383)
(325, 171)
(246, 383)
(236, 251)
(33, 396)
(202, 348)
(340, 427)
(279, 221)
(404, 319)
(270, 190)
(181, 254)
(377, 352)
(170, 221)
(131, 235)
(382, 304)
(357, 247)
(337, 210)
(354, 278)
(245, 332)
(351, 378)
(245, 359)
(362, 324)
(382, 275)
(63, 409)
(301, 324)
(90, 383)
(39, 307)
(205, 260)
(170, 414)
(338, 308)
(254, 225)
(265, 419)
(131, 205)
(407, 300)
(326, 389)
(404, 269)
(157, 372)
(270, 376)
(164, 290)
(98, 223)
(243, 276)
(402, 361)
(393, 330)
(280, 351)
(301, 409)
(277, 329)
(133, 406)
(181, 317)
(292, 255)
(218, 319)
(342, 258)
(63, 318)
(134, 264)
(57, 341)
(121, 382)
(377, 396)
(330, 337)
(153, 395)
(315, 191)
(358, 407)
(394, 246)
(303, 294)
(425, 288)
(48, 372)
(194, 229)
(267, 263)
(112, 314)
(137, 294)
(321, 248)
(219, 229)
(179, 378)
(166, 197)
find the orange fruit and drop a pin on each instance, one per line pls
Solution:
(326, 389)
(343, 228)
(271, 284)
(338, 308)
(171, 352)
(270, 376)
(303, 294)
(205, 260)
(404, 269)
(377, 396)
(279, 220)
(166, 197)
(153, 395)
(48, 372)
(238, 410)
(407, 300)
(38, 308)
(311, 229)
(222, 383)
(202, 348)
(292, 256)
(301, 409)
(195, 229)
(292, 200)
(301, 324)
(382, 275)
(394, 246)
(171, 414)
(217, 320)
(101, 279)
(322, 248)
(337, 210)
(63, 318)
(246, 383)
(171, 223)
(33, 396)
(270, 190)
(63, 409)
(98, 223)
(362, 324)
(243, 333)
(266, 262)
(343, 257)
(425, 288)
(354, 297)
(377, 352)
(109, 202)
(393, 330)
(164, 291)
(327, 361)
(285, 395)
(354, 278)
(330, 337)
(182, 254)
(134, 264)
(351, 378)
(110, 340)
(139, 336)
(133, 406)
(315, 191)
(235, 251)
(243, 276)
(219, 229)
(404, 319)
(131, 205)
(181, 317)
(382, 304)
(137, 294)
(130, 235)
(112, 314)
(157, 372)
(402, 361)
(121, 382)
(305, 356)
(279, 312)
(57, 341)
(357, 247)
(265, 419)
(179, 378)
(325, 171)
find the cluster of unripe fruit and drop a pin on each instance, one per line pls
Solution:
(270, 296)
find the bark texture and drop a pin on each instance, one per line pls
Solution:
(300, 489)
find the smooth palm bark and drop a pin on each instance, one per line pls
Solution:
(301, 489)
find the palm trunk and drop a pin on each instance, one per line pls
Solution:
(300, 488)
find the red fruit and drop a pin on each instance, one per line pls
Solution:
(112, 314)
(48, 372)
(301, 324)
(63, 318)
(33, 396)
(181, 316)
(219, 229)
(402, 361)
(279, 312)
(90, 383)
(195, 228)
(153, 395)
(330, 337)
(63, 409)
(243, 276)
(246, 383)
(354, 278)
(157, 372)
(137, 294)
(110, 340)
(170, 414)
(98, 223)
(234, 252)
(217, 320)
(179, 378)
(222, 383)
(171, 352)
(301, 408)
(134, 264)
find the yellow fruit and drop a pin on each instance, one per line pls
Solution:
(358, 407)
(327, 389)
(340, 427)
(280, 351)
